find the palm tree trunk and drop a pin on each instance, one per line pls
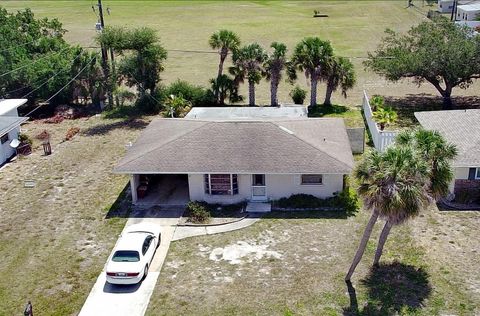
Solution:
(251, 93)
(313, 91)
(223, 56)
(363, 244)
(381, 241)
(328, 95)
(273, 92)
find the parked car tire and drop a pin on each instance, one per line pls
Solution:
(145, 272)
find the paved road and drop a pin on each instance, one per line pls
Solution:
(106, 299)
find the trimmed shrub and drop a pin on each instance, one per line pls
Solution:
(197, 95)
(348, 199)
(198, 212)
(298, 95)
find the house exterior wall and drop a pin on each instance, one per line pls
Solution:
(277, 186)
(460, 179)
(6, 151)
(467, 15)
(445, 6)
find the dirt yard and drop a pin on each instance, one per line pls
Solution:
(295, 266)
(54, 237)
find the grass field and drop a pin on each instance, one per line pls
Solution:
(353, 27)
(55, 238)
(300, 261)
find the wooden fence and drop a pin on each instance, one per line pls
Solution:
(381, 139)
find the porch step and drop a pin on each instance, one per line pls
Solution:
(259, 207)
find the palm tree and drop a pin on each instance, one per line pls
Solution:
(273, 68)
(438, 154)
(225, 41)
(384, 116)
(225, 87)
(338, 72)
(310, 56)
(393, 185)
(248, 62)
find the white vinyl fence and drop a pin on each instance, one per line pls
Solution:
(381, 139)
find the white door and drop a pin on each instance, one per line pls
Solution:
(259, 188)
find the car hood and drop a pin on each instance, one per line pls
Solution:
(128, 267)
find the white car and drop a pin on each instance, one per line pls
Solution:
(133, 254)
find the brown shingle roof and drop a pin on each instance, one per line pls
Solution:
(198, 146)
(461, 128)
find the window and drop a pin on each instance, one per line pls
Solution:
(258, 180)
(477, 174)
(4, 139)
(312, 179)
(221, 184)
(126, 256)
(146, 244)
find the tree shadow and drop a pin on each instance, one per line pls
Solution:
(406, 106)
(322, 110)
(103, 129)
(391, 288)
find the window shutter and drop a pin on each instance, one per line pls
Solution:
(471, 173)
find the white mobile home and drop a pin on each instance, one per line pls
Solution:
(9, 127)
(445, 6)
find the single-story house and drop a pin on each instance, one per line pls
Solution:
(228, 161)
(461, 128)
(468, 12)
(9, 127)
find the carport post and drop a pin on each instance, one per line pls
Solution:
(133, 187)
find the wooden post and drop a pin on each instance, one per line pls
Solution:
(28, 309)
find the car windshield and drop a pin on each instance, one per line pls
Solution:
(126, 256)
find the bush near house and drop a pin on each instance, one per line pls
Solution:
(347, 199)
(197, 212)
(298, 95)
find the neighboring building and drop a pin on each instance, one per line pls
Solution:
(9, 127)
(468, 12)
(241, 113)
(445, 6)
(461, 128)
(228, 161)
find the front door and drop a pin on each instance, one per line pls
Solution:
(259, 189)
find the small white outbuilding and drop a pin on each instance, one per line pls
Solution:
(468, 12)
(445, 6)
(9, 127)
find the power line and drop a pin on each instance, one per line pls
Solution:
(61, 89)
(46, 81)
(140, 85)
(13, 47)
(54, 75)
(35, 61)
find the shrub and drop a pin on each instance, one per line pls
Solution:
(198, 212)
(44, 135)
(196, 95)
(377, 102)
(149, 104)
(124, 95)
(298, 95)
(348, 199)
(25, 139)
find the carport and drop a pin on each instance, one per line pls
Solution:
(159, 189)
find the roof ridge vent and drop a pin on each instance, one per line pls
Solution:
(286, 129)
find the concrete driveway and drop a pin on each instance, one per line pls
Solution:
(106, 299)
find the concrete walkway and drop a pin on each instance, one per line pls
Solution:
(182, 232)
(106, 299)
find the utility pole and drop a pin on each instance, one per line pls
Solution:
(106, 70)
(453, 16)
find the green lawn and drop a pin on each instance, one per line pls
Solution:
(353, 27)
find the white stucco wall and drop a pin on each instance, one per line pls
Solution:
(467, 15)
(278, 186)
(460, 174)
(5, 150)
